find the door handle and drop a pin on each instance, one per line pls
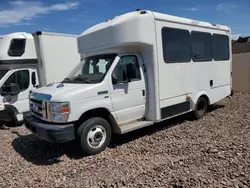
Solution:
(143, 92)
(211, 83)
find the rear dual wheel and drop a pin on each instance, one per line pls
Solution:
(201, 108)
(94, 135)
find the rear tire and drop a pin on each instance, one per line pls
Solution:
(201, 108)
(94, 136)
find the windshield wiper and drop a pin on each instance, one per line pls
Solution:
(66, 79)
(80, 78)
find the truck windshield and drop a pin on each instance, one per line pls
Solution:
(2, 73)
(91, 69)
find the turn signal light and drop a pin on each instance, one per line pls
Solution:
(65, 110)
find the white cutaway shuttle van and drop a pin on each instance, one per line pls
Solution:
(139, 68)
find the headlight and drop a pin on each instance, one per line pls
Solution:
(59, 111)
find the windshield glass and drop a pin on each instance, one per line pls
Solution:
(91, 69)
(2, 73)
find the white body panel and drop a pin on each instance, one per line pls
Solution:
(57, 56)
(29, 53)
(178, 80)
(165, 84)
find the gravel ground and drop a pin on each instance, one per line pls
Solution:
(211, 152)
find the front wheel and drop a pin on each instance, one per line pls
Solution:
(94, 135)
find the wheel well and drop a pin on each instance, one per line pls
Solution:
(98, 112)
(206, 97)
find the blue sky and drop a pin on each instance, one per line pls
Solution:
(74, 16)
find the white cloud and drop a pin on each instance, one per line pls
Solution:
(192, 9)
(235, 36)
(65, 6)
(72, 19)
(226, 7)
(20, 11)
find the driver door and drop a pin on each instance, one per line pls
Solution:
(129, 96)
(23, 79)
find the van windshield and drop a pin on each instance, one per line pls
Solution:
(2, 73)
(91, 69)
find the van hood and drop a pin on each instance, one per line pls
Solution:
(66, 92)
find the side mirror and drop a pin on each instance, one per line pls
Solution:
(33, 78)
(130, 71)
(12, 89)
(114, 79)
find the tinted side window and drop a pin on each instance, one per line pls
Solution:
(17, 47)
(201, 46)
(127, 66)
(23, 79)
(11, 79)
(220, 47)
(176, 45)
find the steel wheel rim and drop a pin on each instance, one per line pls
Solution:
(96, 136)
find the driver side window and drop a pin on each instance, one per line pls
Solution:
(127, 67)
(22, 78)
(11, 80)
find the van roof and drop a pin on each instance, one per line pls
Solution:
(187, 21)
(157, 16)
(18, 35)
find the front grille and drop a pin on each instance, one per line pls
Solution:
(38, 108)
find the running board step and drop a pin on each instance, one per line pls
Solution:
(134, 126)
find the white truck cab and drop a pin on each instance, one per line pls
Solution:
(28, 61)
(17, 75)
(138, 69)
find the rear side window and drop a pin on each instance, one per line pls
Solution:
(220, 47)
(201, 46)
(176, 45)
(17, 47)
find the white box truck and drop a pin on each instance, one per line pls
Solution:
(139, 69)
(28, 61)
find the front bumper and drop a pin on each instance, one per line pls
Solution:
(50, 132)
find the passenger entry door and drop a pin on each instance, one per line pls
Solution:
(128, 89)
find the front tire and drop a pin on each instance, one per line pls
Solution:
(94, 135)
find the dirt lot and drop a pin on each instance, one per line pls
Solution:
(211, 152)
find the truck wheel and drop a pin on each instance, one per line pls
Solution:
(94, 135)
(200, 108)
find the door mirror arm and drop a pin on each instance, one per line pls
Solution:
(114, 79)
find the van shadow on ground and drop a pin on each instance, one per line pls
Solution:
(39, 152)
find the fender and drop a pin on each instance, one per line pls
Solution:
(197, 96)
(79, 107)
